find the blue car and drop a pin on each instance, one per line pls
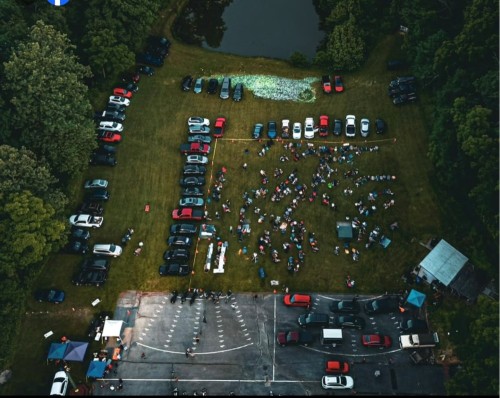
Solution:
(271, 130)
(257, 131)
(50, 295)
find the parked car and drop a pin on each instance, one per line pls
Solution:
(55, 296)
(404, 99)
(337, 382)
(258, 128)
(121, 92)
(111, 107)
(107, 249)
(204, 139)
(238, 92)
(178, 255)
(110, 116)
(364, 127)
(297, 131)
(183, 229)
(198, 85)
(225, 88)
(402, 88)
(194, 148)
(187, 82)
(297, 300)
(191, 202)
(349, 321)
(85, 221)
(96, 263)
(146, 70)
(196, 159)
(294, 337)
(92, 208)
(159, 41)
(324, 125)
(327, 84)
(212, 86)
(98, 159)
(111, 126)
(75, 246)
(309, 128)
(130, 87)
(192, 191)
(413, 325)
(198, 120)
(350, 126)
(314, 319)
(88, 276)
(193, 170)
(179, 240)
(380, 126)
(271, 130)
(285, 128)
(339, 85)
(219, 126)
(382, 305)
(115, 99)
(97, 195)
(192, 182)
(173, 269)
(79, 233)
(109, 136)
(59, 384)
(105, 149)
(95, 183)
(131, 76)
(345, 306)
(149, 59)
(337, 127)
(376, 340)
(198, 129)
(402, 80)
(337, 366)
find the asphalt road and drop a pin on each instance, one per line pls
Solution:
(234, 350)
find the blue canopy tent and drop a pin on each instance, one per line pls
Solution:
(96, 369)
(416, 298)
(57, 351)
(76, 351)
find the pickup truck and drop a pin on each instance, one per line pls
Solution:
(188, 214)
(418, 340)
(195, 148)
(285, 128)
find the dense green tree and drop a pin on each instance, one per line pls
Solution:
(13, 27)
(299, 60)
(50, 111)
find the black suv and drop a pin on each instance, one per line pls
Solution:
(111, 116)
(183, 229)
(314, 320)
(212, 86)
(176, 255)
(187, 82)
(90, 277)
(98, 194)
(100, 159)
(96, 263)
(382, 305)
(238, 92)
(90, 207)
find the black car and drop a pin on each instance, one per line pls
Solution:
(176, 255)
(98, 194)
(146, 70)
(186, 83)
(106, 149)
(380, 126)
(403, 88)
(337, 127)
(133, 77)
(413, 325)
(90, 277)
(80, 233)
(90, 207)
(238, 92)
(97, 263)
(115, 107)
(271, 130)
(349, 321)
(129, 87)
(159, 41)
(192, 191)
(76, 246)
(212, 86)
(149, 59)
(404, 99)
(174, 269)
(382, 305)
(157, 51)
(192, 182)
(178, 240)
(193, 170)
(345, 306)
(100, 159)
(112, 116)
(203, 139)
(401, 80)
(183, 229)
(50, 295)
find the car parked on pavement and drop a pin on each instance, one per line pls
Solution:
(173, 269)
(59, 384)
(297, 300)
(314, 319)
(107, 249)
(349, 321)
(345, 306)
(212, 86)
(187, 82)
(99, 159)
(350, 126)
(55, 296)
(309, 128)
(294, 337)
(238, 92)
(95, 183)
(337, 366)
(258, 128)
(196, 159)
(413, 325)
(191, 202)
(178, 255)
(337, 382)
(364, 127)
(297, 131)
(85, 221)
(376, 340)
(219, 126)
(271, 130)
(324, 126)
(198, 85)
(382, 305)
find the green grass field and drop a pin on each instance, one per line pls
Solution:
(149, 167)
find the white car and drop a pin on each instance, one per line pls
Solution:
(97, 183)
(115, 99)
(196, 159)
(59, 384)
(86, 221)
(193, 120)
(309, 128)
(297, 131)
(107, 249)
(337, 382)
(365, 127)
(111, 126)
(350, 126)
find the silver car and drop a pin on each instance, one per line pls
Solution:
(191, 202)
(225, 88)
(364, 127)
(107, 249)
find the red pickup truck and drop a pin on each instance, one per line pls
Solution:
(195, 148)
(188, 214)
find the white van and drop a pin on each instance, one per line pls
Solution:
(331, 336)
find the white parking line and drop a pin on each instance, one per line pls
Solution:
(198, 353)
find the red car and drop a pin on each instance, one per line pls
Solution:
(297, 300)
(376, 340)
(109, 136)
(339, 86)
(219, 126)
(335, 366)
(195, 148)
(121, 92)
(188, 214)
(327, 85)
(323, 126)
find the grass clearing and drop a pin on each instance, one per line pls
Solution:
(149, 167)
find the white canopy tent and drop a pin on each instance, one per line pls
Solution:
(112, 328)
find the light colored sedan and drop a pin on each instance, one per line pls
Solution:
(97, 183)
(111, 126)
(59, 384)
(198, 120)
(309, 128)
(297, 131)
(115, 99)
(107, 249)
(365, 127)
(86, 221)
(191, 202)
(337, 382)
(350, 126)
(196, 159)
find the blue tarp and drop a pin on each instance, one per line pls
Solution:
(96, 369)
(416, 298)
(57, 351)
(76, 351)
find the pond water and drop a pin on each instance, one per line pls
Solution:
(268, 28)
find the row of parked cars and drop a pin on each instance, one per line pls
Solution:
(403, 90)
(326, 84)
(212, 87)
(324, 128)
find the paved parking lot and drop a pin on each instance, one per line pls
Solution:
(235, 350)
